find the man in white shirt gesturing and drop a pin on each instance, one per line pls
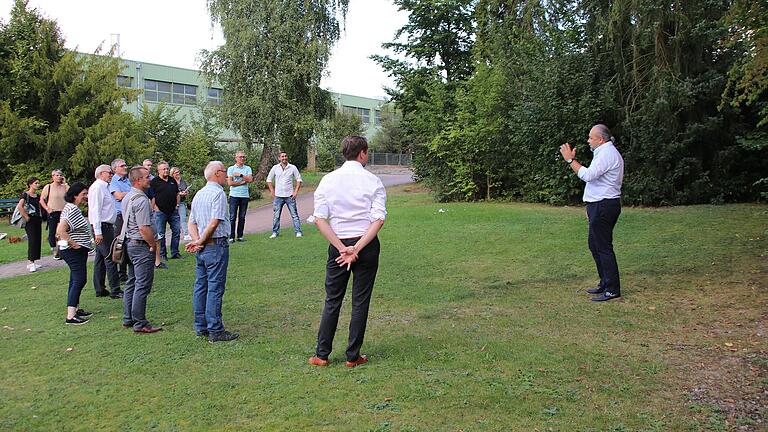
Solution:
(603, 197)
(284, 193)
(350, 207)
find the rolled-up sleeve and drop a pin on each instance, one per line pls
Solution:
(379, 203)
(321, 211)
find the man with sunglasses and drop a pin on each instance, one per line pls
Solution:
(102, 215)
(119, 188)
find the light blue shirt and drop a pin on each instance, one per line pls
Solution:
(605, 175)
(119, 185)
(237, 174)
(211, 203)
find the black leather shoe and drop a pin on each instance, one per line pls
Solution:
(177, 256)
(223, 337)
(102, 293)
(203, 333)
(605, 297)
(596, 290)
(116, 295)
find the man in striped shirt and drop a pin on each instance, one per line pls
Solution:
(209, 228)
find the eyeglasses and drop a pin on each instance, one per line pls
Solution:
(218, 171)
(123, 166)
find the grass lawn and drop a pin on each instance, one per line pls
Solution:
(478, 321)
(10, 252)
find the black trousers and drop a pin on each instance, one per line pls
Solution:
(103, 267)
(122, 269)
(34, 229)
(602, 218)
(336, 279)
(53, 223)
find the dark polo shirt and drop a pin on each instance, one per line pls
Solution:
(165, 194)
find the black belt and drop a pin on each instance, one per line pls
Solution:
(134, 241)
(214, 240)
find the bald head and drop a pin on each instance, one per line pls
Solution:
(216, 172)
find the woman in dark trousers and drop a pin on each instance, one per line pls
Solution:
(74, 243)
(29, 207)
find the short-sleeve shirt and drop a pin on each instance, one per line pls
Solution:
(210, 203)
(165, 193)
(79, 228)
(53, 195)
(122, 185)
(237, 174)
(138, 213)
(282, 178)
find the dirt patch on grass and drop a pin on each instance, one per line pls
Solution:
(720, 353)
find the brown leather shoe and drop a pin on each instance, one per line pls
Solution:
(127, 326)
(148, 329)
(360, 360)
(317, 361)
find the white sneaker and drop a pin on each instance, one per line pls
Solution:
(187, 237)
(298, 234)
(31, 268)
(38, 266)
(273, 235)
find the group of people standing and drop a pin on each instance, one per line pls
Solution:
(349, 211)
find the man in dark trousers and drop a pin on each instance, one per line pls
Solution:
(140, 246)
(166, 208)
(603, 197)
(102, 216)
(350, 219)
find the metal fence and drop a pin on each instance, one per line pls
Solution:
(378, 158)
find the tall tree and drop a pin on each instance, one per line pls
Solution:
(270, 66)
(58, 108)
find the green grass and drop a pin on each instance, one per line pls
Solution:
(477, 323)
(10, 252)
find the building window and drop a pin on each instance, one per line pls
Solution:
(377, 116)
(214, 96)
(125, 81)
(363, 113)
(162, 91)
(184, 94)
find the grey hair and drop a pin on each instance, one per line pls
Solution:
(605, 133)
(135, 173)
(100, 169)
(174, 169)
(210, 169)
(115, 163)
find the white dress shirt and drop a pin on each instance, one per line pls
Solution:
(283, 179)
(101, 205)
(605, 175)
(350, 198)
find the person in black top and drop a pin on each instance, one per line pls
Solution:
(29, 207)
(166, 208)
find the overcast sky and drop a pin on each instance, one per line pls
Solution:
(172, 32)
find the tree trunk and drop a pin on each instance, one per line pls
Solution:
(265, 163)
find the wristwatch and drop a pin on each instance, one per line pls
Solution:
(569, 161)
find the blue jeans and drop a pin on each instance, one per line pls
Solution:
(210, 278)
(77, 260)
(237, 209)
(277, 206)
(183, 217)
(173, 219)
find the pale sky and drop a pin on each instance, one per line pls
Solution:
(172, 32)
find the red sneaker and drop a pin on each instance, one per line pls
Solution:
(317, 361)
(360, 360)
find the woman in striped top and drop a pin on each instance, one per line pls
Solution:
(74, 243)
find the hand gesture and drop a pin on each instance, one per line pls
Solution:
(567, 151)
(98, 239)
